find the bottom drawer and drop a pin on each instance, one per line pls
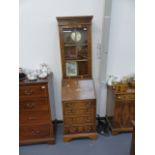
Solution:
(34, 132)
(79, 129)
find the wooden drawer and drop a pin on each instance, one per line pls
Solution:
(79, 129)
(78, 112)
(33, 104)
(39, 90)
(34, 132)
(125, 97)
(90, 119)
(79, 105)
(27, 117)
(79, 108)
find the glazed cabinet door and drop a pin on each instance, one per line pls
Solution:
(75, 51)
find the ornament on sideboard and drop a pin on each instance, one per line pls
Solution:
(44, 71)
(22, 75)
(33, 74)
(121, 84)
(112, 80)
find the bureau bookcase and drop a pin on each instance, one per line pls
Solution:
(78, 95)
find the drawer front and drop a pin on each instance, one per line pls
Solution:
(79, 129)
(33, 104)
(78, 111)
(28, 117)
(79, 104)
(125, 97)
(34, 132)
(90, 119)
(39, 90)
(79, 108)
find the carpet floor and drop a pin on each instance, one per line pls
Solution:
(103, 145)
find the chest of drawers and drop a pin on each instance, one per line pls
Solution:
(79, 109)
(36, 111)
(120, 110)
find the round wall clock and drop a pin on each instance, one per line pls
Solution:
(76, 36)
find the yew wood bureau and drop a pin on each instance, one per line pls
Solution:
(78, 92)
(36, 111)
(79, 108)
(120, 110)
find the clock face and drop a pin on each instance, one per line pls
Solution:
(76, 36)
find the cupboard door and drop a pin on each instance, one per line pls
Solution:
(126, 114)
(118, 114)
(132, 110)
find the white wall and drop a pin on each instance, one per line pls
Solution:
(118, 52)
(121, 54)
(39, 39)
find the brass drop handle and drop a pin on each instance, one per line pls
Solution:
(35, 132)
(32, 118)
(43, 87)
(71, 110)
(87, 119)
(119, 97)
(89, 105)
(28, 92)
(30, 105)
(88, 129)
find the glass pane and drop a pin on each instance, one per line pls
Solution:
(83, 68)
(82, 52)
(75, 35)
(70, 52)
(76, 52)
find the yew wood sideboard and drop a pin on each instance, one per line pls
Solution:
(36, 111)
(120, 110)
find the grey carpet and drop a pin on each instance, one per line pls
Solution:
(111, 145)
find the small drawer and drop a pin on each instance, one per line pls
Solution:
(79, 120)
(34, 132)
(33, 104)
(27, 117)
(125, 97)
(84, 111)
(78, 111)
(79, 108)
(84, 105)
(80, 129)
(79, 105)
(90, 128)
(120, 97)
(33, 90)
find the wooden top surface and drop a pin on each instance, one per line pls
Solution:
(74, 20)
(37, 81)
(75, 89)
(73, 17)
(128, 91)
